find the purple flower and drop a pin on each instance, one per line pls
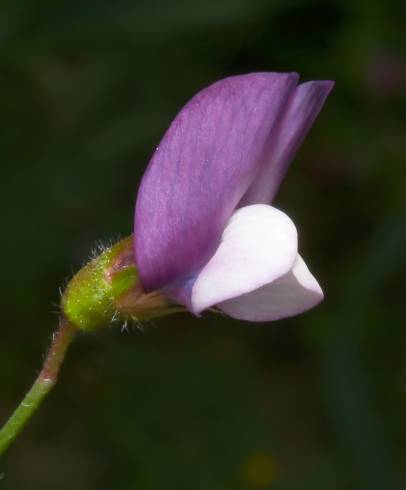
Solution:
(205, 232)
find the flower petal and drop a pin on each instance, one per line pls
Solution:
(200, 171)
(304, 106)
(259, 245)
(289, 295)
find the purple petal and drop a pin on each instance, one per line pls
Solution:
(301, 112)
(204, 165)
(294, 293)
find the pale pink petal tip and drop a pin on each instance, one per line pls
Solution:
(292, 294)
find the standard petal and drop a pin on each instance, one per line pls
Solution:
(289, 295)
(259, 245)
(301, 112)
(198, 174)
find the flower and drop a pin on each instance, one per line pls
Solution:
(205, 232)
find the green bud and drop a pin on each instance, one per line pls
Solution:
(108, 288)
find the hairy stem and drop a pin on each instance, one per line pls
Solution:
(41, 387)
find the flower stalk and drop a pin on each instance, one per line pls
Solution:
(41, 387)
(106, 288)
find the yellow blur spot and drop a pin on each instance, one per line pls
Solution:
(259, 470)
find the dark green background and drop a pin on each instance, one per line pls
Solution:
(86, 90)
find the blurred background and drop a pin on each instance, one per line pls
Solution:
(315, 402)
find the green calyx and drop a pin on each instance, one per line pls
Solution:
(89, 299)
(108, 288)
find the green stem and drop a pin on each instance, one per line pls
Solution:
(41, 387)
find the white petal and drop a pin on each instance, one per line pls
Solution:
(258, 245)
(289, 295)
